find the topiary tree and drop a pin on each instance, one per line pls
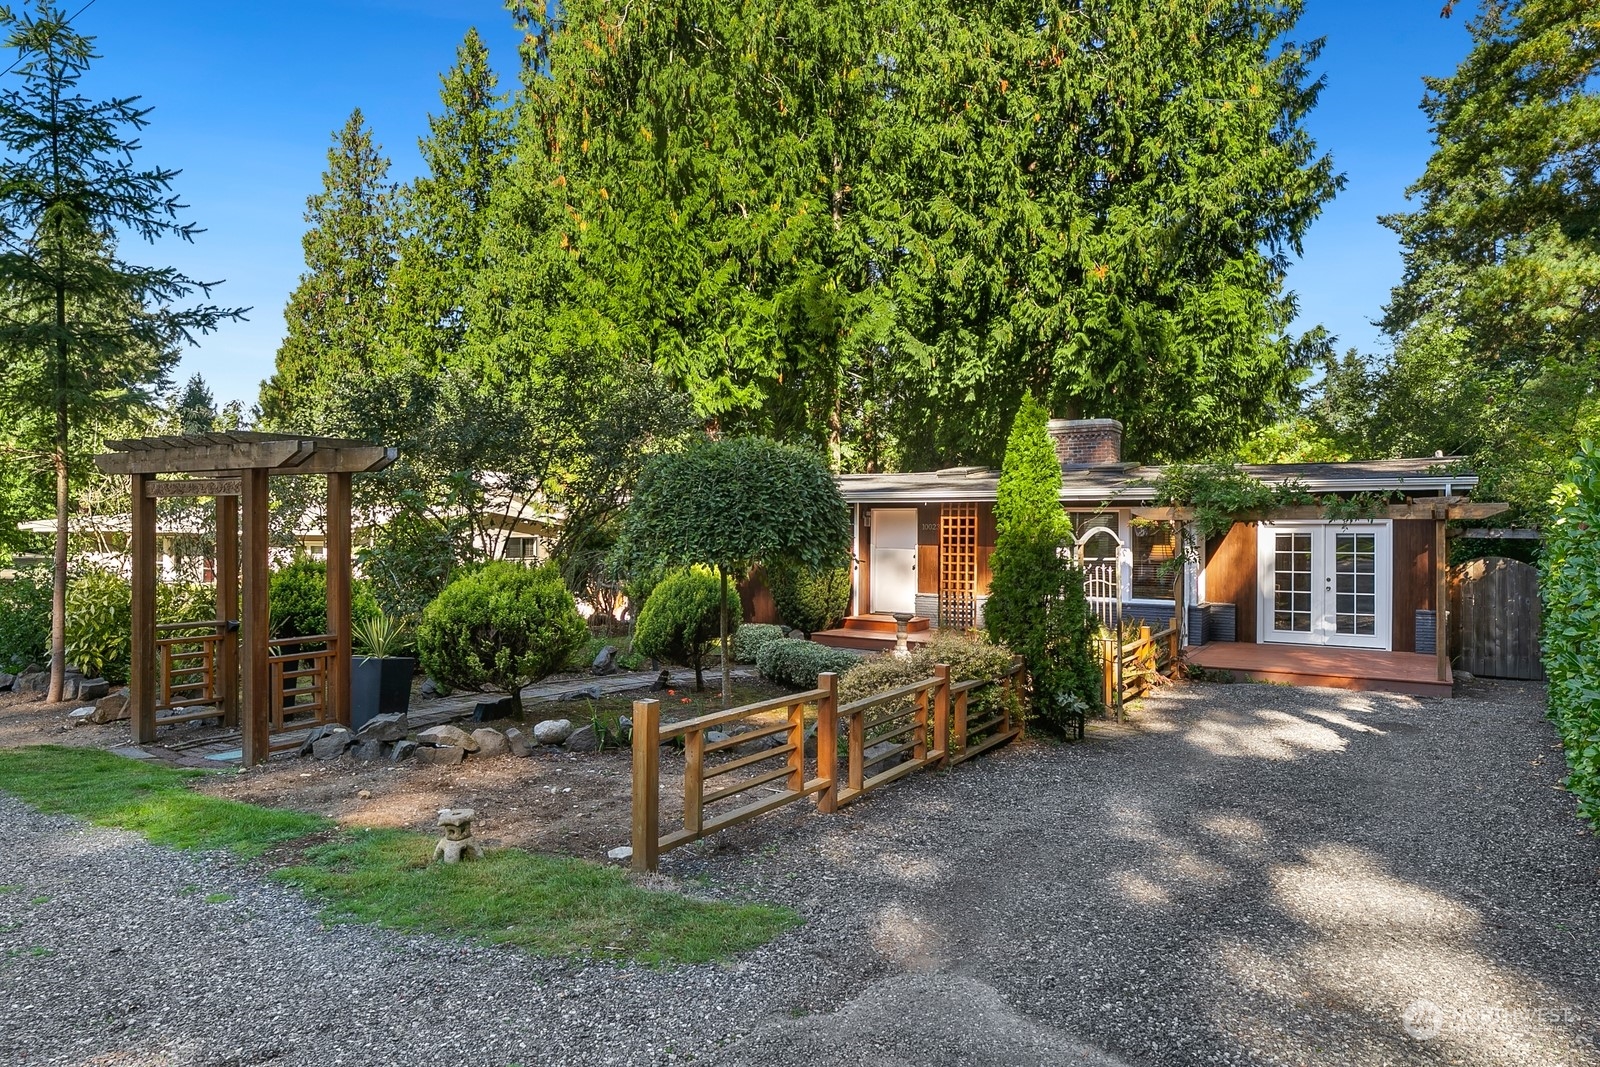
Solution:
(729, 503)
(1036, 604)
(682, 618)
(809, 598)
(501, 627)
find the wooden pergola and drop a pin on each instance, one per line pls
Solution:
(234, 468)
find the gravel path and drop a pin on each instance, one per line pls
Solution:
(1250, 875)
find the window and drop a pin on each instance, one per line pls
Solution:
(1154, 547)
(522, 549)
(1099, 548)
(1140, 568)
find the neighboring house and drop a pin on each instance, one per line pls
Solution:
(1302, 582)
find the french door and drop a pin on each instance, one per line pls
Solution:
(1325, 583)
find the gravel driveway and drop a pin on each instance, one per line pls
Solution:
(1247, 875)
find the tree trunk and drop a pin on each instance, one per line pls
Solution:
(58, 579)
(727, 676)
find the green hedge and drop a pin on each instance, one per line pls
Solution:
(797, 663)
(1571, 590)
(751, 638)
(24, 620)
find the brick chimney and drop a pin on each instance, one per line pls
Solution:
(1087, 442)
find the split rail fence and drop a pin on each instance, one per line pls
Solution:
(881, 739)
(1130, 667)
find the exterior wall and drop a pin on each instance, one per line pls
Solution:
(928, 548)
(1413, 579)
(1231, 575)
(986, 538)
(755, 597)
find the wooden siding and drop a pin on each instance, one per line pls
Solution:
(986, 538)
(755, 597)
(1413, 579)
(1231, 575)
(927, 548)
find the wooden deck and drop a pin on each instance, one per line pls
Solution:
(873, 633)
(1336, 668)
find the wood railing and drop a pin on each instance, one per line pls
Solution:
(914, 721)
(297, 673)
(187, 680)
(1143, 659)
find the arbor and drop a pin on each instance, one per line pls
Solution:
(1496, 322)
(443, 213)
(336, 315)
(88, 337)
(730, 503)
(1036, 605)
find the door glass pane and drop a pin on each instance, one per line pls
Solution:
(1291, 593)
(1355, 609)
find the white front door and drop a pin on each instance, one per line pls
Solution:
(894, 560)
(1325, 583)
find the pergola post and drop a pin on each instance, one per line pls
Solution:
(142, 631)
(338, 694)
(255, 622)
(1441, 598)
(227, 576)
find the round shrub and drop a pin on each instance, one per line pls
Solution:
(298, 599)
(751, 638)
(797, 663)
(681, 620)
(968, 656)
(500, 627)
(809, 598)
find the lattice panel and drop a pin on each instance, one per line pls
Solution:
(958, 566)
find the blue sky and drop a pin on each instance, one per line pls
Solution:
(246, 98)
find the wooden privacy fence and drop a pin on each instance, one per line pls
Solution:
(1129, 667)
(1495, 618)
(921, 724)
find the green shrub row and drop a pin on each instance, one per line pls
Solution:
(751, 638)
(796, 663)
(1570, 583)
(968, 655)
(24, 620)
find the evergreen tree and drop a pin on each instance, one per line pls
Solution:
(444, 212)
(336, 315)
(1496, 323)
(1036, 604)
(87, 337)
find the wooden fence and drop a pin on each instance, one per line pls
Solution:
(187, 678)
(297, 672)
(921, 724)
(1495, 618)
(1142, 659)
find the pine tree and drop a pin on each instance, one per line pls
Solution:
(1036, 604)
(444, 213)
(87, 337)
(336, 315)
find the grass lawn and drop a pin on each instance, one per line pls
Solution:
(548, 905)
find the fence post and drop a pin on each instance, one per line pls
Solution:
(1109, 646)
(941, 715)
(858, 753)
(797, 755)
(646, 783)
(828, 740)
(1174, 643)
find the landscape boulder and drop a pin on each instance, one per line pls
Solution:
(390, 727)
(552, 731)
(113, 707)
(442, 756)
(316, 734)
(490, 742)
(402, 750)
(605, 662)
(32, 682)
(332, 743)
(93, 688)
(368, 751)
(80, 717)
(583, 739)
(448, 737)
(519, 743)
(7, 681)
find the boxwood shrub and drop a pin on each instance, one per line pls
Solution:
(751, 638)
(1570, 584)
(797, 663)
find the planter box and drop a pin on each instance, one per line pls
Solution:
(1427, 632)
(379, 686)
(1221, 622)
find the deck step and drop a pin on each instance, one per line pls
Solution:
(867, 640)
(884, 624)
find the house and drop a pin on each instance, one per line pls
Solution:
(1299, 595)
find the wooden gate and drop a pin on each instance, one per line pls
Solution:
(1494, 618)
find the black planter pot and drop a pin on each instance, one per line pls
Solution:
(379, 685)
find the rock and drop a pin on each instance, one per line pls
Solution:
(80, 717)
(32, 682)
(588, 692)
(583, 739)
(621, 854)
(605, 662)
(365, 794)
(331, 745)
(93, 688)
(448, 737)
(490, 710)
(430, 688)
(402, 750)
(316, 734)
(112, 707)
(714, 736)
(490, 742)
(519, 743)
(391, 727)
(552, 731)
(663, 681)
(624, 723)
(1462, 676)
(445, 756)
(7, 681)
(369, 751)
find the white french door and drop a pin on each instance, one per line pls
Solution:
(1325, 583)
(894, 560)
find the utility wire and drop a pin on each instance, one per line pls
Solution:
(70, 17)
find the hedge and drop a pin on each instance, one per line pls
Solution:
(797, 663)
(1570, 584)
(751, 638)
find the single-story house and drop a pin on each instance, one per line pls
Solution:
(1297, 595)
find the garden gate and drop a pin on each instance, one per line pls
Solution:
(1495, 618)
